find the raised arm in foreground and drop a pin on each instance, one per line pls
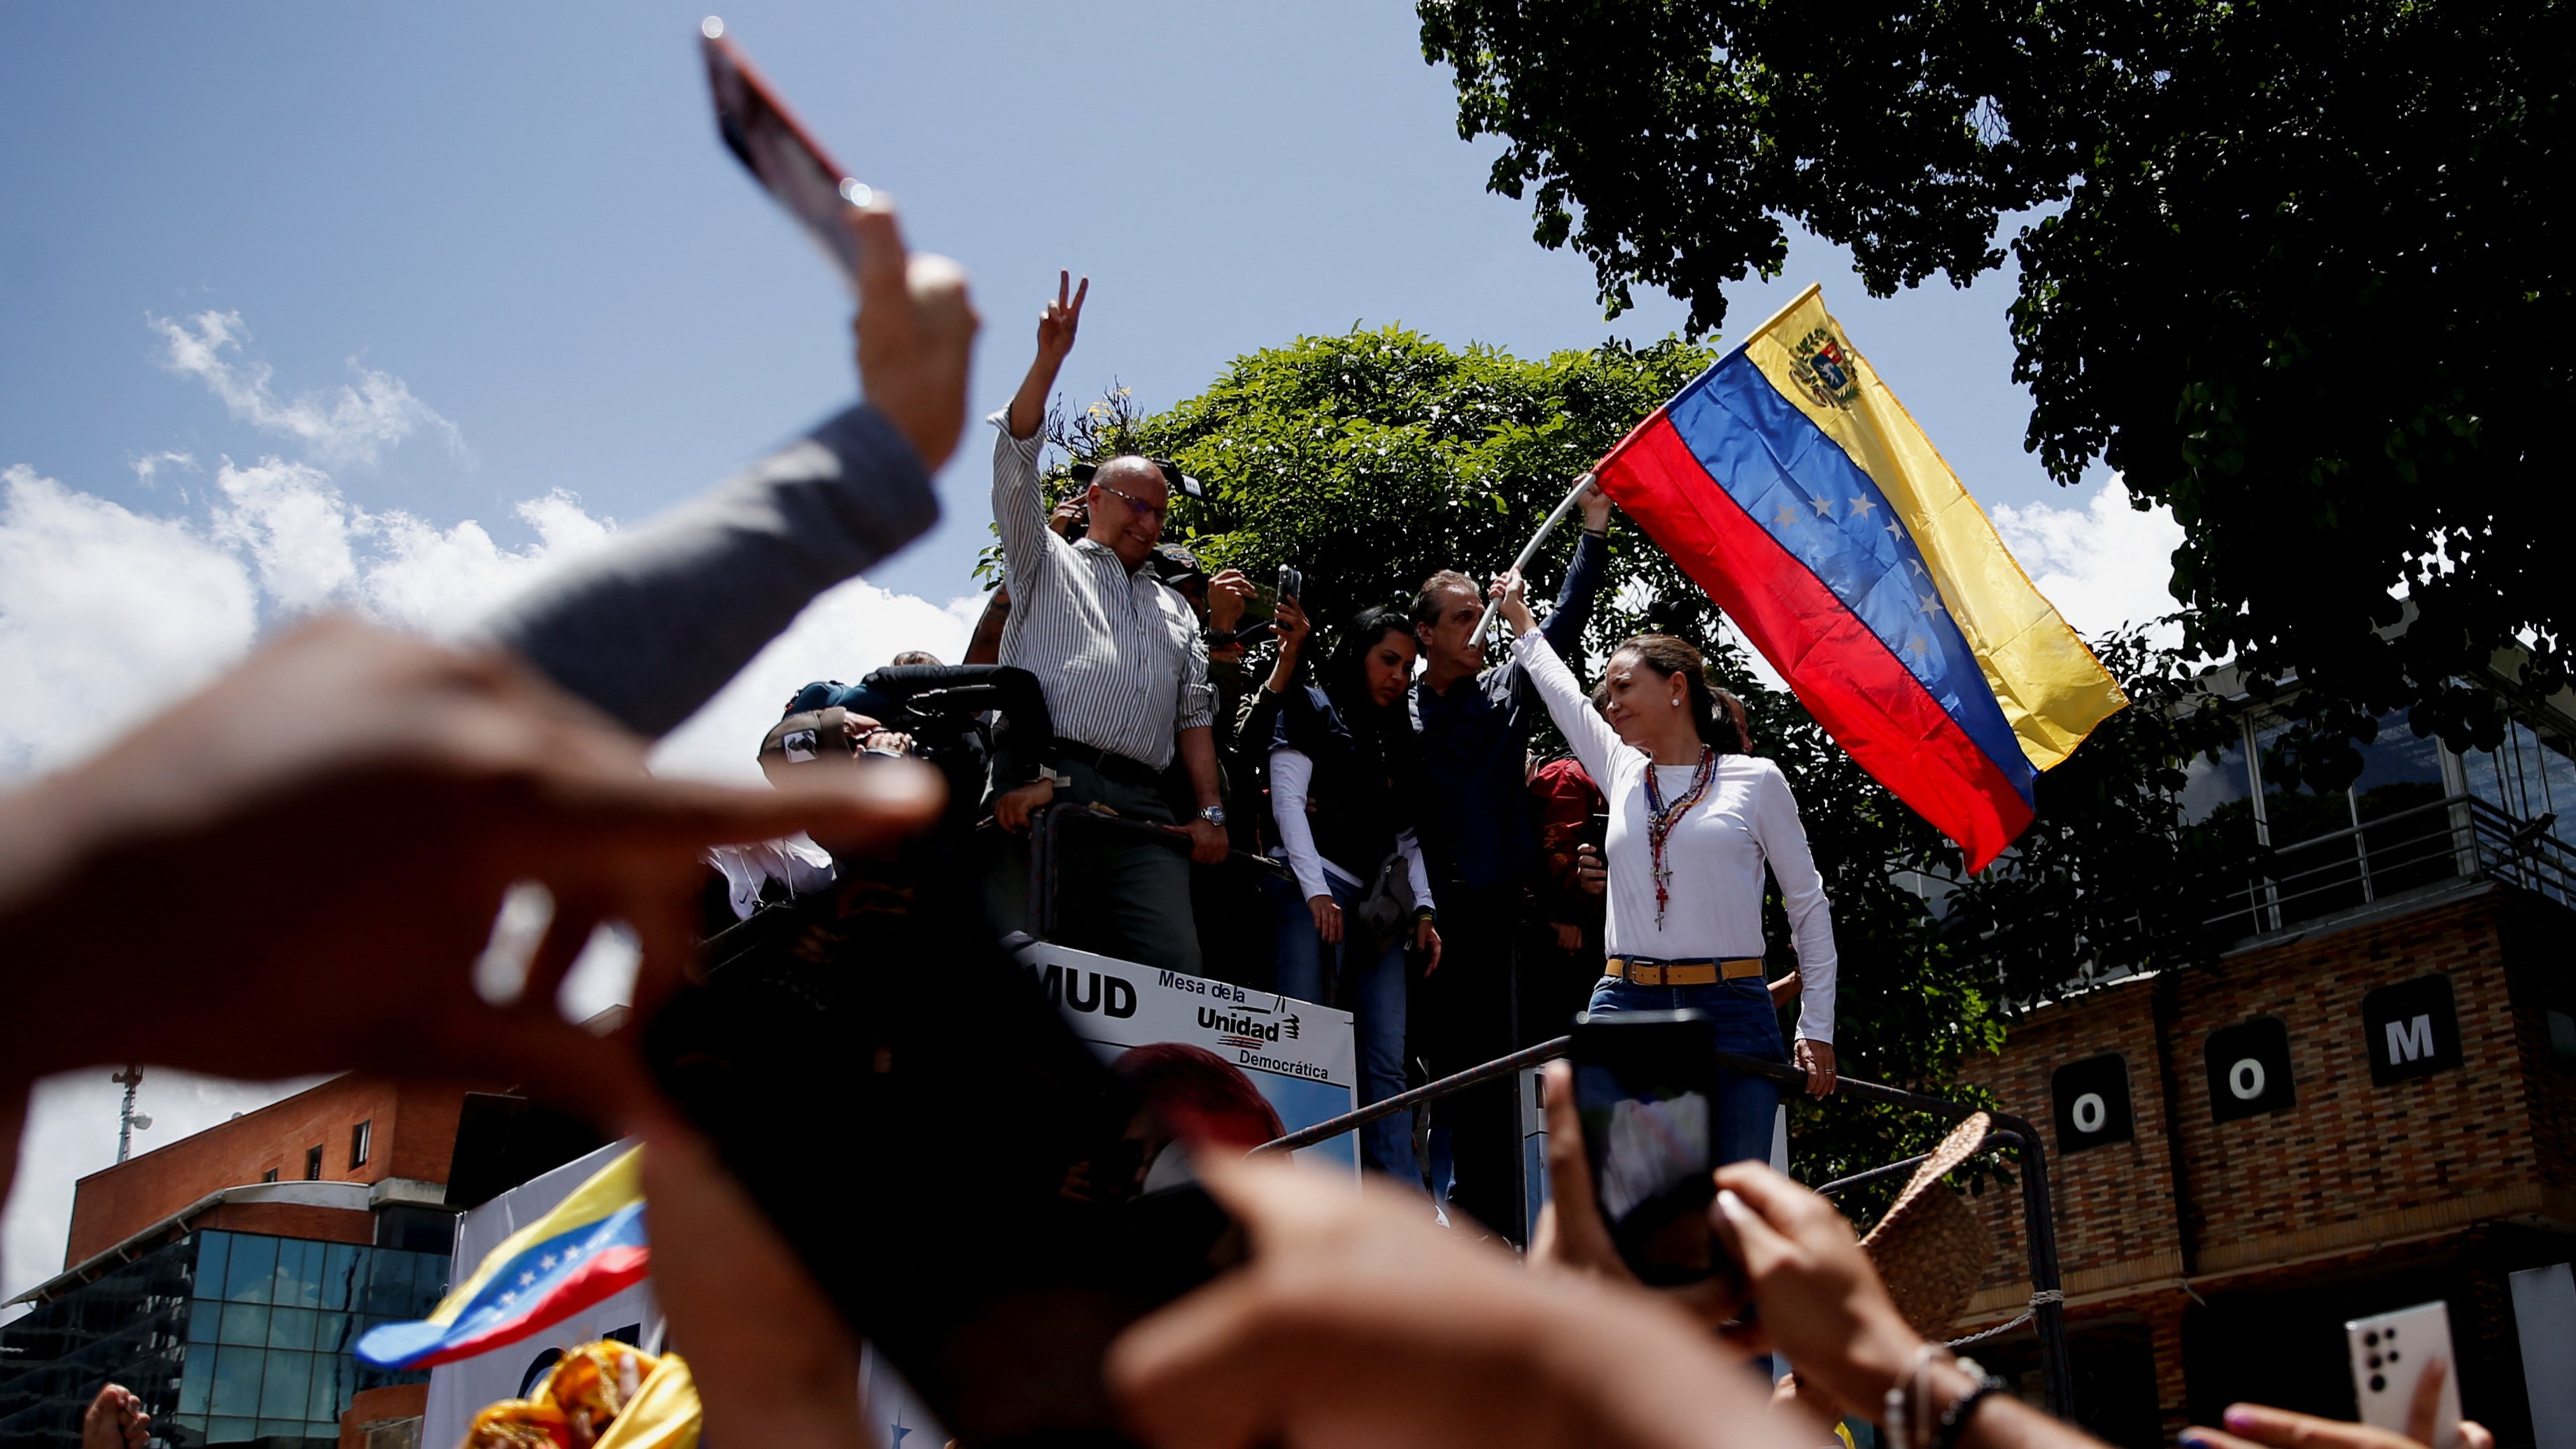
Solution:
(651, 627)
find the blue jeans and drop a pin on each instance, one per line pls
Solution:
(1372, 991)
(1747, 1026)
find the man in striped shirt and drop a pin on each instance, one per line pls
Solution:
(1118, 656)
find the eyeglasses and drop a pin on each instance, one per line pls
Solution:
(1150, 510)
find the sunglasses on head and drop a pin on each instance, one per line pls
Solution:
(1173, 478)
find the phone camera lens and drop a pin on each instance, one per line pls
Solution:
(2392, 1355)
(2374, 1360)
(2372, 1339)
(2377, 1384)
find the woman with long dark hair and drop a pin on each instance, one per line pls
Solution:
(1693, 821)
(1342, 782)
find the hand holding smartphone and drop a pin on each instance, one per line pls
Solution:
(1645, 1088)
(2391, 1353)
(780, 153)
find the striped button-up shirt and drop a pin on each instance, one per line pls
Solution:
(1116, 652)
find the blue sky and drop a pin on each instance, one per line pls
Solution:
(506, 287)
(523, 214)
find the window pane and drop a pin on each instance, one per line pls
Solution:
(333, 1333)
(204, 1314)
(245, 1323)
(429, 1281)
(2400, 776)
(329, 1375)
(2211, 784)
(248, 1275)
(289, 1380)
(299, 1274)
(212, 1248)
(194, 1424)
(197, 1379)
(291, 1327)
(231, 1431)
(340, 1264)
(236, 1388)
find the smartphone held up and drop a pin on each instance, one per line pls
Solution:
(780, 153)
(1645, 1088)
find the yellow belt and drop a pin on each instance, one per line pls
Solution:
(1682, 973)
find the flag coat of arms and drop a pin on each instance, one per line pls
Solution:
(588, 1248)
(1790, 483)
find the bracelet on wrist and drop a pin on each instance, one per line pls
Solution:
(1954, 1419)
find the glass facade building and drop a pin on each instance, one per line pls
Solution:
(227, 1337)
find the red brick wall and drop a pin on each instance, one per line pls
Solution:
(2115, 1208)
(413, 1134)
(2351, 1163)
(375, 1406)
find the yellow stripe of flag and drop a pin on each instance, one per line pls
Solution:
(2051, 687)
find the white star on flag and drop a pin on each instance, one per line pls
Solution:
(547, 1262)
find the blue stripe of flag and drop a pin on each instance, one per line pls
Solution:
(1806, 492)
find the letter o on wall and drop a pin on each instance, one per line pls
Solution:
(2245, 1080)
(2091, 1098)
(2248, 1067)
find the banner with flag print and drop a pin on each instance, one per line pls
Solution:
(1790, 483)
(591, 1246)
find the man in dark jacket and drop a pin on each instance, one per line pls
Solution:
(1483, 849)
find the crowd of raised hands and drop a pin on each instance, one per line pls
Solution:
(329, 831)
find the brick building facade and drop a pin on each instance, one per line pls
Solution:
(348, 1129)
(223, 1277)
(2292, 1156)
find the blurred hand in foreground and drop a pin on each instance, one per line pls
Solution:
(2249, 1425)
(115, 1420)
(1359, 1321)
(916, 334)
(299, 868)
(773, 1362)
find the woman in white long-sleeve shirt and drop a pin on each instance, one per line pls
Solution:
(1693, 821)
(1341, 786)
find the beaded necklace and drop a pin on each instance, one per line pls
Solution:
(1661, 818)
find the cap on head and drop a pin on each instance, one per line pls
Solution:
(806, 738)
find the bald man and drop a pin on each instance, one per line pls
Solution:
(1118, 656)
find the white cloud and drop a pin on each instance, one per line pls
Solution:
(294, 525)
(105, 614)
(354, 425)
(441, 581)
(2104, 564)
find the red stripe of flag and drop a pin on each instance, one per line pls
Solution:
(609, 1272)
(1854, 685)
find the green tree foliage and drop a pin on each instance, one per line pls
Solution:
(2294, 271)
(1372, 459)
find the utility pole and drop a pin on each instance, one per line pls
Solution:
(128, 1120)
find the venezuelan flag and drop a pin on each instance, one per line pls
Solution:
(1791, 484)
(589, 1247)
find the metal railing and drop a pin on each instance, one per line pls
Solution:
(2404, 855)
(2047, 1313)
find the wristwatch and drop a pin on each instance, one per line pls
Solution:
(1212, 814)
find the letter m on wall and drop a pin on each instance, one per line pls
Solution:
(2411, 1029)
(2410, 1040)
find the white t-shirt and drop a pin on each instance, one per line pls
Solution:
(1716, 852)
